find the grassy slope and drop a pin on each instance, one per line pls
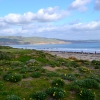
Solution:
(50, 67)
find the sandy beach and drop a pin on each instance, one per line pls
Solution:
(78, 55)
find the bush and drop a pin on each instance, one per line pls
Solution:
(74, 87)
(36, 74)
(5, 55)
(39, 96)
(56, 93)
(87, 83)
(24, 70)
(12, 77)
(90, 83)
(13, 97)
(25, 75)
(72, 64)
(58, 83)
(94, 77)
(94, 62)
(86, 94)
(16, 63)
(84, 69)
(52, 74)
(70, 77)
(97, 67)
(1, 85)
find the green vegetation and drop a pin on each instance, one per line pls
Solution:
(12, 77)
(37, 75)
(13, 97)
(69, 77)
(39, 96)
(58, 83)
(56, 93)
(86, 94)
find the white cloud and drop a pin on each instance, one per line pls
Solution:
(92, 26)
(79, 4)
(97, 5)
(43, 15)
(40, 24)
(67, 31)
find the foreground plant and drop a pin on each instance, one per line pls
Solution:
(36, 74)
(39, 96)
(70, 77)
(13, 97)
(12, 77)
(56, 93)
(86, 94)
(87, 83)
(58, 83)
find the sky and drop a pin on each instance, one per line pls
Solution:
(62, 19)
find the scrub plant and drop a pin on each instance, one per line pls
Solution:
(58, 83)
(39, 96)
(12, 77)
(86, 94)
(56, 93)
(70, 77)
(13, 97)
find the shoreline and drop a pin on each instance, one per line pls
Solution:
(78, 55)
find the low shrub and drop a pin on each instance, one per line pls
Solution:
(24, 70)
(36, 68)
(73, 87)
(13, 97)
(97, 67)
(86, 94)
(84, 69)
(39, 96)
(72, 64)
(52, 74)
(5, 55)
(70, 77)
(77, 75)
(56, 93)
(36, 74)
(90, 83)
(58, 83)
(94, 77)
(12, 77)
(25, 75)
(94, 62)
(16, 63)
(87, 83)
(1, 85)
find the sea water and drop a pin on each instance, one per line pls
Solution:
(74, 47)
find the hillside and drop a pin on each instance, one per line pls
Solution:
(29, 40)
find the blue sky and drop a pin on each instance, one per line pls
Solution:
(63, 19)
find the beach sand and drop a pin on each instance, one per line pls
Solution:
(78, 55)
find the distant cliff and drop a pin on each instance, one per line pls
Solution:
(11, 40)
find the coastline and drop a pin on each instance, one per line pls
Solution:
(78, 55)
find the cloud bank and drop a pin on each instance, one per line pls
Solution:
(79, 5)
(43, 15)
(42, 23)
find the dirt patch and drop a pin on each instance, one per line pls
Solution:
(27, 79)
(52, 68)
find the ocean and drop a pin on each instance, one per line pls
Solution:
(74, 47)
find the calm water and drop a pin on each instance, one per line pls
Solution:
(76, 47)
